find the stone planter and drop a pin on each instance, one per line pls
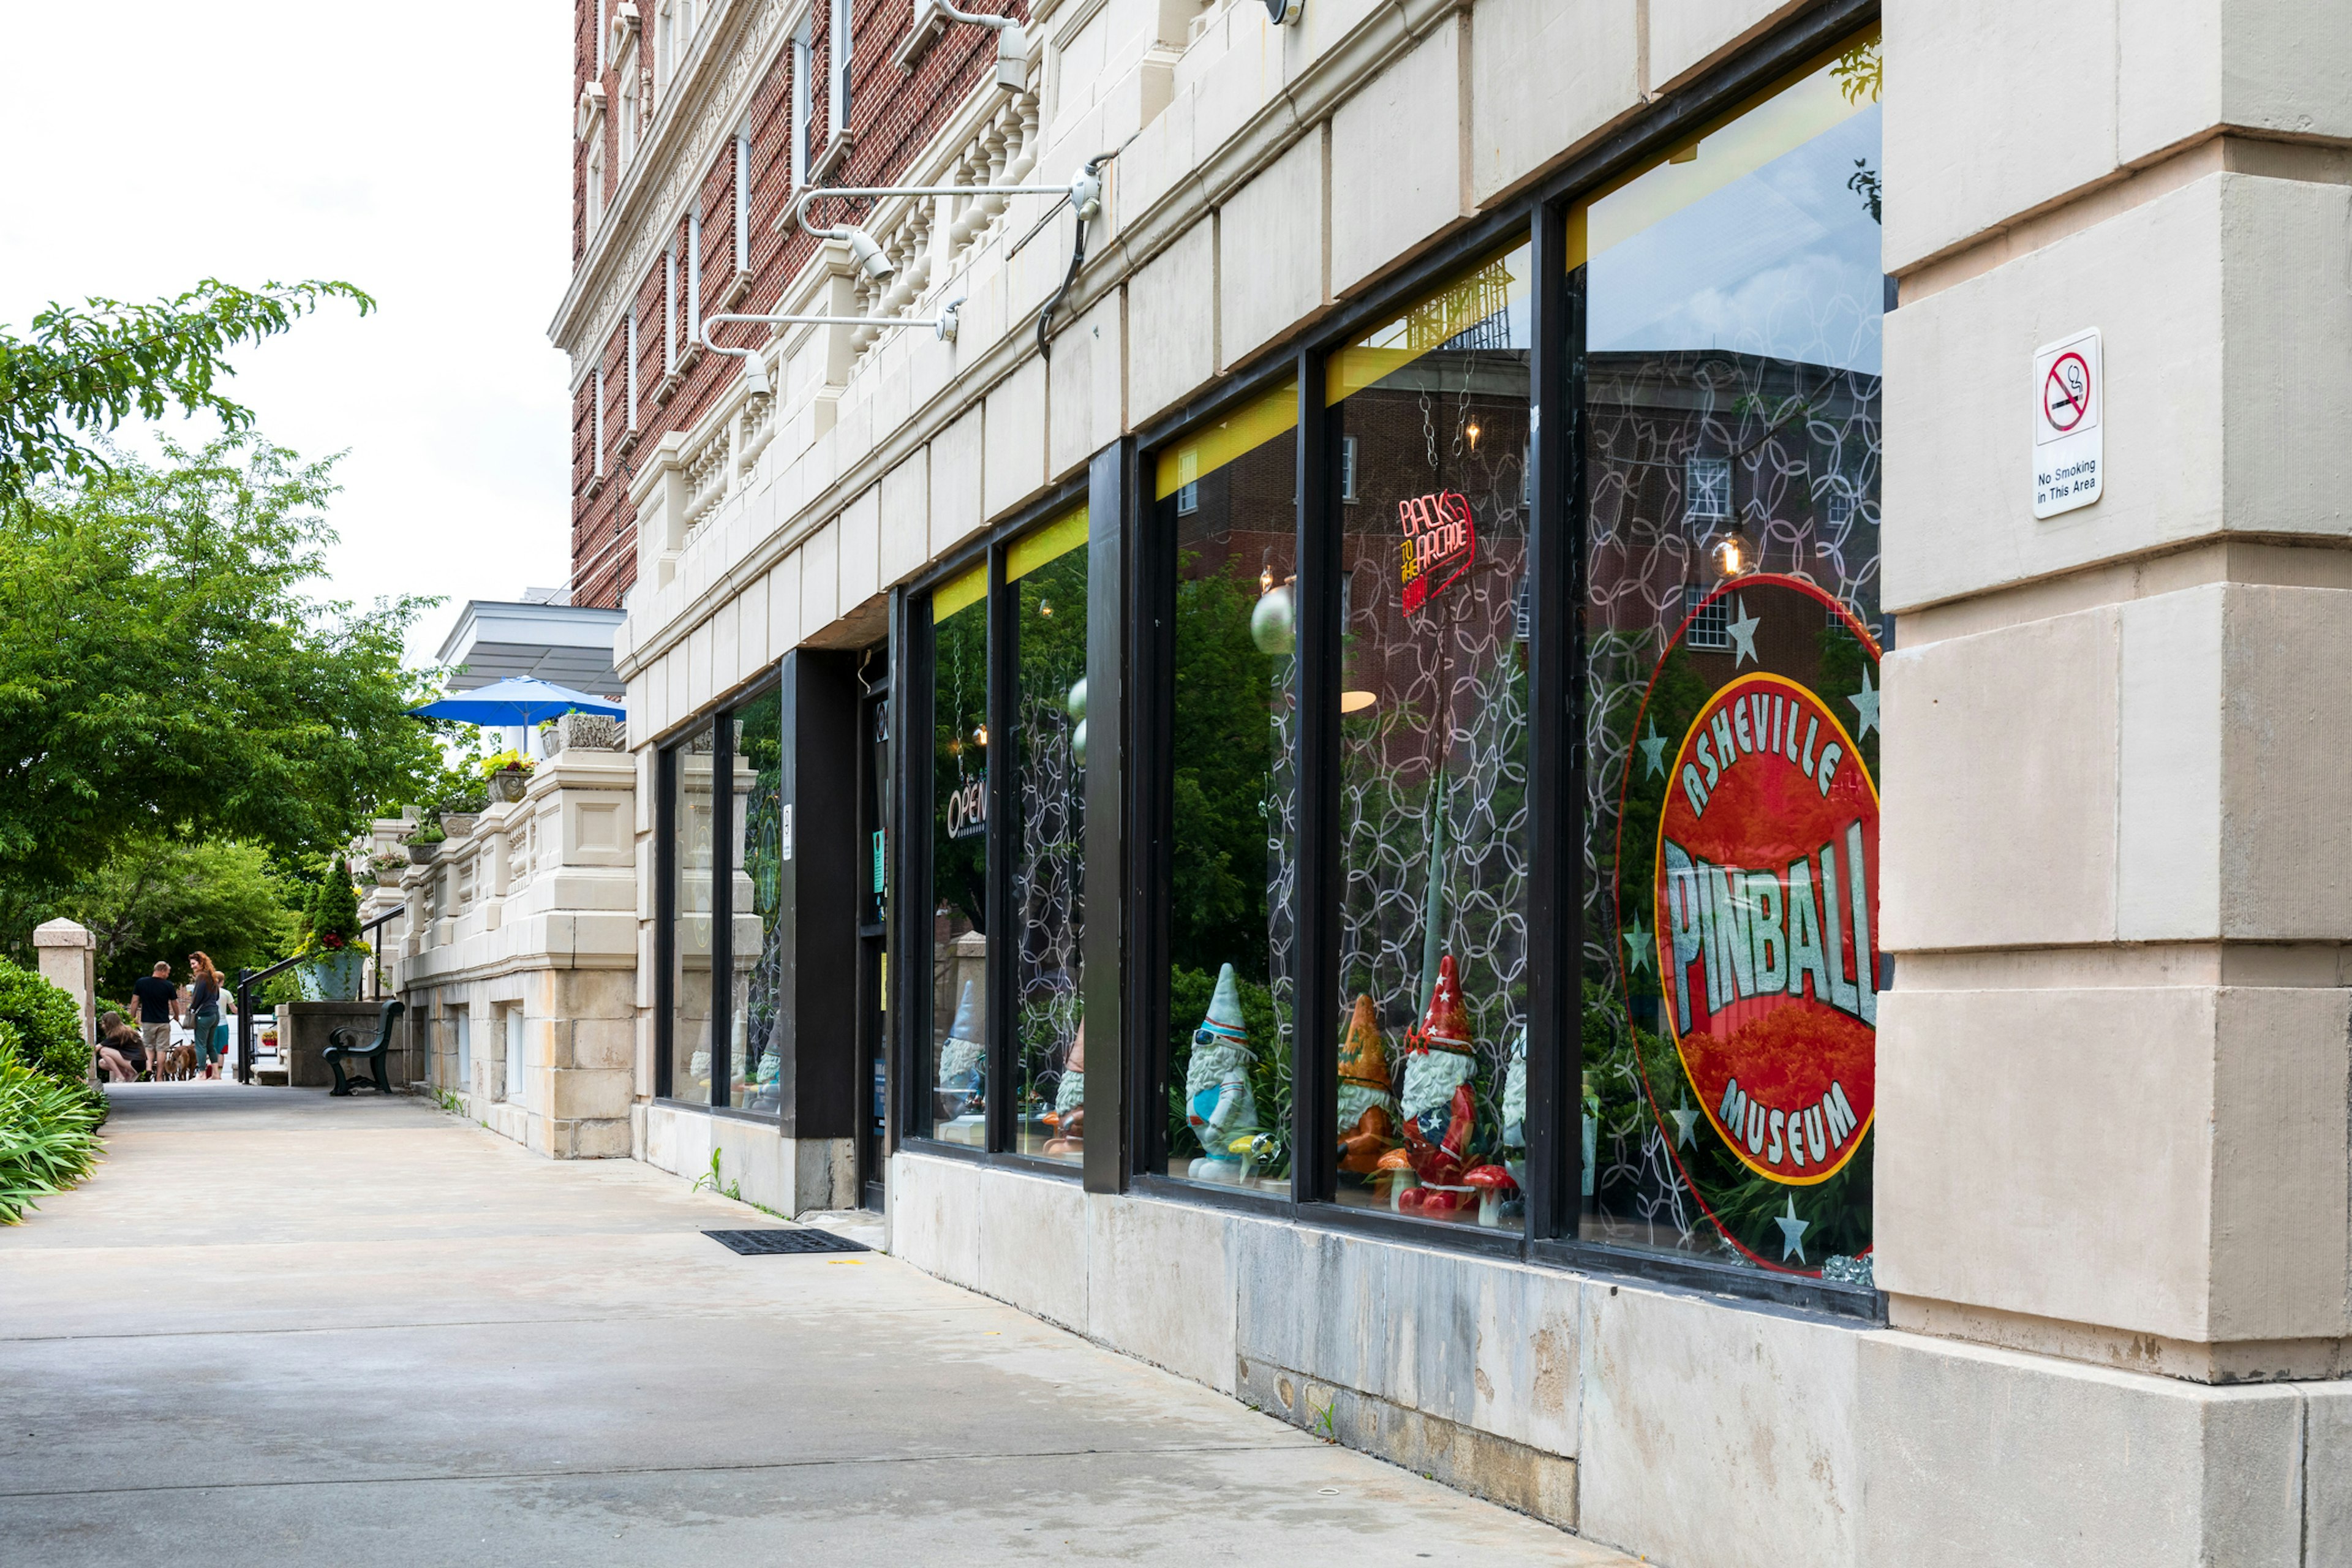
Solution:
(334, 978)
(422, 853)
(507, 785)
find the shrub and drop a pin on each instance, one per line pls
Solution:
(43, 1025)
(49, 1131)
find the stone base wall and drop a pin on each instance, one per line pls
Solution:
(1693, 1429)
(756, 1163)
(579, 1057)
(302, 1035)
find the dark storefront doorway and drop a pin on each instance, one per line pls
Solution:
(873, 918)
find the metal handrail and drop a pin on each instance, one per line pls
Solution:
(247, 979)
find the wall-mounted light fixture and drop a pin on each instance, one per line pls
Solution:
(1084, 192)
(755, 375)
(1014, 48)
(1285, 12)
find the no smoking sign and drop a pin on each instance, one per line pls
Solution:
(2069, 395)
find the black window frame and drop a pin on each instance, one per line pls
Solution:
(913, 730)
(1556, 654)
(720, 718)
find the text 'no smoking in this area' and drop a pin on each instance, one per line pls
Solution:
(2069, 398)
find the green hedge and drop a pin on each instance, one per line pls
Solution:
(49, 1115)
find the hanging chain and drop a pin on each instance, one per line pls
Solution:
(1429, 429)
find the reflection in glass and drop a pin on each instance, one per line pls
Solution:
(1432, 761)
(957, 1059)
(689, 1062)
(757, 976)
(1048, 570)
(1732, 448)
(1226, 508)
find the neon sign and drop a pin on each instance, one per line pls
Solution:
(1441, 542)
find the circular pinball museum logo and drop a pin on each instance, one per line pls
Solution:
(1766, 893)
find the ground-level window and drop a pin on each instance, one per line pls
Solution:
(1732, 302)
(1226, 526)
(1045, 573)
(511, 1016)
(457, 1026)
(691, 938)
(723, 941)
(956, 1064)
(1431, 836)
(756, 979)
(1004, 1053)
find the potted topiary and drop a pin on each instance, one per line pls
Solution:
(336, 956)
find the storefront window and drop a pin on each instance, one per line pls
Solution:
(1731, 441)
(1047, 570)
(1227, 515)
(956, 1065)
(757, 977)
(1432, 411)
(690, 941)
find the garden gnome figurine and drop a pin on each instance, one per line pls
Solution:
(1438, 1113)
(1217, 1100)
(1366, 1108)
(1070, 1101)
(964, 1059)
(1515, 1093)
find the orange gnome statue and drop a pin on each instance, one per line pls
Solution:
(1439, 1114)
(1366, 1107)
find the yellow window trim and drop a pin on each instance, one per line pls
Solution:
(1051, 543)
(1193, 457)
(959, 591)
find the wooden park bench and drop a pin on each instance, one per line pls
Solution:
(343, 1045)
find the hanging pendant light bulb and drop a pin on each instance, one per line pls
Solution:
(1734, 555)
(1472, 434)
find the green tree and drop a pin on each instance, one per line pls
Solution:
(164, 671)
(157, 897)
(85, 370)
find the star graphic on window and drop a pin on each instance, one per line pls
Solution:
(1653, 751)
(1866, 707)
(1792, 1231)
(1637, 946)
(1685, 1118)
(1743, 634)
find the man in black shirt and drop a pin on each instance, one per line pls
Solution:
(157, 999)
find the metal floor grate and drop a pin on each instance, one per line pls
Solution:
(753, 1243)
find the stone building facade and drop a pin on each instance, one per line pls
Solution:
(1437, 770)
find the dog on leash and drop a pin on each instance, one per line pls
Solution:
(177, 1064)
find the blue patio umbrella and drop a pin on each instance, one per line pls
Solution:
(519, 701)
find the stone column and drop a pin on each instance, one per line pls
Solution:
(69, 958)
(2113, 1141)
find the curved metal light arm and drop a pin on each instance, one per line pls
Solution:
(1083, 194)
(1012, 44)
(755, 375)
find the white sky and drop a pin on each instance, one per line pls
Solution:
(421, 154)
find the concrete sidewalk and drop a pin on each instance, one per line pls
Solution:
(280, 1329)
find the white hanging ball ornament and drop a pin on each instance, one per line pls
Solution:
(1075, 702)
(1078, 743)
(1272, 623)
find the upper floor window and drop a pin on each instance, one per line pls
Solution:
(838, 71)
(803, 63)
(633, 102)
(595, 179)
(673, 32)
